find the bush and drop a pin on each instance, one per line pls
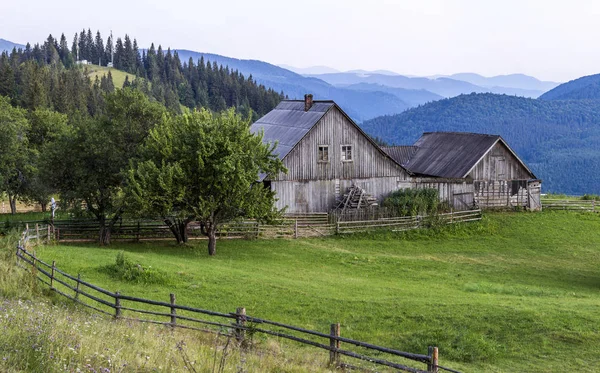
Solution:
(414, 201)
(125, 269)
(590, 197)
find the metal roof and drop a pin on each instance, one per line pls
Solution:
(449, 154)
(288, 123)
(401, 154)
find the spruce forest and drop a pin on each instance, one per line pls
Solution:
(49, 76)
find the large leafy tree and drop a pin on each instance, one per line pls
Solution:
(46, 126)
(15, 165)
(204, 167)
(89, 164)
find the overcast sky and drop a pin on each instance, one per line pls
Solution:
(551, 40)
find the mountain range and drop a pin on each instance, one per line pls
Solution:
(558, 139)
(365, 94)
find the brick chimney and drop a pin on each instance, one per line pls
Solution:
(308, 101)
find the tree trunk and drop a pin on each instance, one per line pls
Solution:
(105, 231)
(179, 229)
(44, 206)
(212, 239)
(12, 200)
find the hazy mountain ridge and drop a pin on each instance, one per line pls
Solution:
(360, 105)
(559, 140)
(447, 86)
(584, 88)
(8, 46)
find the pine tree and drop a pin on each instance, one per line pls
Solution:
(99, 50)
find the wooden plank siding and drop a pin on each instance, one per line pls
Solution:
(335, 130)
(311, 186)
(500, 179)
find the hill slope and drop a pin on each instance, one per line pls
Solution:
(8, 46)
(359, 105)
(559, 140)
(584, 88)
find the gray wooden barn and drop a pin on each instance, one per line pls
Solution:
(326, 153)
(494, 175)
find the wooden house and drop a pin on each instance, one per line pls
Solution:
(325, 153)
(494, 174)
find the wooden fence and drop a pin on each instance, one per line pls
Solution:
(570, 204)
(297, 226)
(408, 222)
(238, 324)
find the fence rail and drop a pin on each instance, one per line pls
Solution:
(408, 222)
(235, 324)
(570, 204)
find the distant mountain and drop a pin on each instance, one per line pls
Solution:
(413, 97)
(360, 105)
(367, 72)
(559, 140)
(310, 70)
(8, 46)
(443, 86)
(584, 88)
(446, 86)
(520, 81)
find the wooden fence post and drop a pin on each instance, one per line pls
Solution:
(334, 356)
(37, 233)
(77, 286)
(48, 235)
(296, 228)
(137, 236)
(432, 365)
(240, 321)
(117, 305)
(451, 215)
(173, 310)
(52, 275)
(337, 227)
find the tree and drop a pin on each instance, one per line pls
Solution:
(205, 167)
(90, 162)
(45, 127)
(14, 156)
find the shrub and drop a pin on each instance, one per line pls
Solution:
(413, 201)
(127, 270)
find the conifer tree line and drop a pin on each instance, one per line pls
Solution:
(48, 76)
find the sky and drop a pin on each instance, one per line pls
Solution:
(551, 40)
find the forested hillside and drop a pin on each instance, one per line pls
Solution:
(559, 140)
(584, 88)
(48, 75)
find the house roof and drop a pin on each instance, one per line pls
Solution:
(401, 154)
(288, 123)
(447, 154)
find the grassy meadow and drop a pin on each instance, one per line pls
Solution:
(117, 75)
(515, 292)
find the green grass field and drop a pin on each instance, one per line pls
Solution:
(517, 292)
(117, 75)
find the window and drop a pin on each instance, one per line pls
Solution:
(346, 153)
(323, 155)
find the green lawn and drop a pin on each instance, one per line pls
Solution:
(517, 292)
(117, 75)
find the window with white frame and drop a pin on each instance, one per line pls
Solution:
(323, 154)
(346, 153)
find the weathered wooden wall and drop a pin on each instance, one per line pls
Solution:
(457, 192)
(499, 164)
(335, 130)
(321, 195)
(500, 180)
